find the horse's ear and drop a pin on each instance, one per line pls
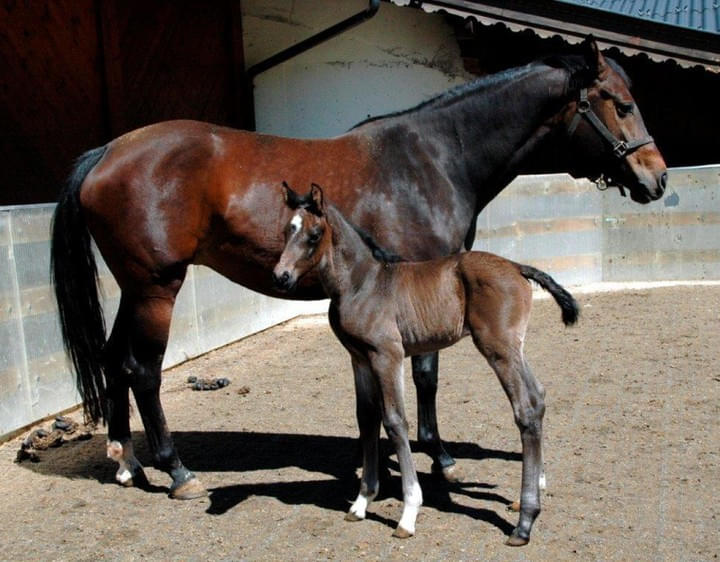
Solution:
(316, 193)
(292, 199)
(593, 57)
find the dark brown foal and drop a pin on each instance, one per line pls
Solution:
(383, 310)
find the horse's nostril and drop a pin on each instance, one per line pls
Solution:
(281, 280)
(663, 180)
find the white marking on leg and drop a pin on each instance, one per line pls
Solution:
(411, 507)
(359, 507)
(125, 457)
(542, 482)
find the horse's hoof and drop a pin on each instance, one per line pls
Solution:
(189, 490)
(514, 506)
(138, 480)
(515, 540)
(401, 533)
(350, 516)
(452, 473)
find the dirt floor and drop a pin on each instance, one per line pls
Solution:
(632, 452)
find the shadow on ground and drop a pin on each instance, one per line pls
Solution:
(245, 452)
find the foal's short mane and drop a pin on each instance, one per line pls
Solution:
(580, 75)
(378, 252)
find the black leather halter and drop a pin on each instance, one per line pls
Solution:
(620, 148)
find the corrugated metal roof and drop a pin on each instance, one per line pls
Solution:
(635, 27)
(700, 15)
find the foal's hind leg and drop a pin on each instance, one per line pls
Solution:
(504, 353)
(425, 376)
(368, 415)
(149, 330)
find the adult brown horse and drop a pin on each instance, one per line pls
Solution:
(162, 197)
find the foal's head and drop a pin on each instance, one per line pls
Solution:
(307, 237)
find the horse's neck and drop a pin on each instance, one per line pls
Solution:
(497, 126)
(350, 260)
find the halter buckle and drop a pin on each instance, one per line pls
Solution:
(620, 149)
(583, 106)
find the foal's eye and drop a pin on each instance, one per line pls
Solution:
(314, 236)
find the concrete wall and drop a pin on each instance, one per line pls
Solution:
(35, 377)
(581, 235)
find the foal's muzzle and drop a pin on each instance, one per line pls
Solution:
(284, 281)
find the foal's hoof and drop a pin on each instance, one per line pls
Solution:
(350, 516)
(452, 474)
(401, 533)
(189, 490)
(138, 480)
(517, 540)
(514, 506)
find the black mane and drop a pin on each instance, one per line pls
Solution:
(580, 75)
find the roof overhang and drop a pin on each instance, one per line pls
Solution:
(630, 35)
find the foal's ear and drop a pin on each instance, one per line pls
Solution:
(593, 57)
(316, 193)
(292, 199)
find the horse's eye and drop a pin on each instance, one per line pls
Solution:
(314, 236)
(623, 109)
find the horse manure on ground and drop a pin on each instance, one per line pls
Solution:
(207, 384)
(42, 439)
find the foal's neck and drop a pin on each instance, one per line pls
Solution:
(350, 262)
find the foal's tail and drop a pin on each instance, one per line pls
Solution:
(74, 274)
(565, 300)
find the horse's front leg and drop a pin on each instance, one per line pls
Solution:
(425, 376)
(367, 400)
(388, 367)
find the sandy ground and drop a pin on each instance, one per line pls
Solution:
(632, 452)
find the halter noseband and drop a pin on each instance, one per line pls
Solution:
(620, 148)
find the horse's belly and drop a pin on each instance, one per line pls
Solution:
(425, 334)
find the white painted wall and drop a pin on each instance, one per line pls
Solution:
(393, 61)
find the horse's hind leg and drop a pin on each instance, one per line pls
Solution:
(148, 335)
(503, 350)
(119, 444)
(367, 397)
(425, 377)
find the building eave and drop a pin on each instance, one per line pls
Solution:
(632, 36)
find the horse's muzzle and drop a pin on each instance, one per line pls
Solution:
(283, 282)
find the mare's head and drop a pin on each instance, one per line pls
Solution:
(608, 138)
(307, 237)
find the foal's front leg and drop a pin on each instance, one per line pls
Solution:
(387, 364)
(367, 403)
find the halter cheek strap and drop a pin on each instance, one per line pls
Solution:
(620, 148)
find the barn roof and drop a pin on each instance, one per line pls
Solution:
(686, 31)
(700, 15)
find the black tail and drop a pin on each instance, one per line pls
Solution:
(74, 274)
(565, 300)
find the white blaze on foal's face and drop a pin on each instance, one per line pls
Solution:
(295, 224)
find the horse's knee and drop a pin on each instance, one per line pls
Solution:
(396, 426)
(529, 415)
